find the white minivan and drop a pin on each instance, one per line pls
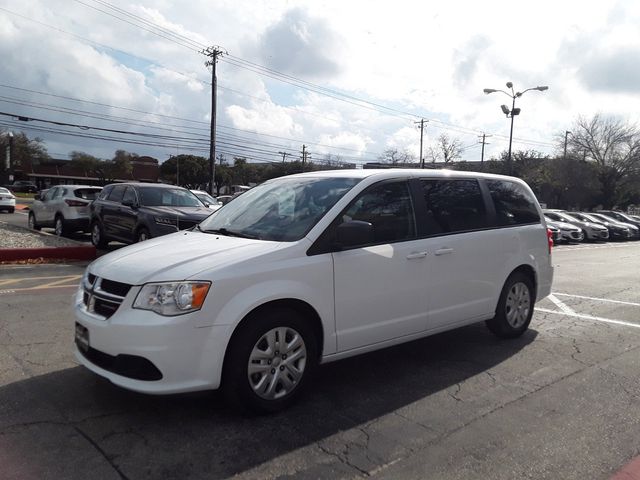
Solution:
(308, 269)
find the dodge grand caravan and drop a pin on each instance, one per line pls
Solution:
(308, 269)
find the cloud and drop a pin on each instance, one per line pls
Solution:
(612, 71)
(300, 45)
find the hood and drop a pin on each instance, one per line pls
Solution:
(184, 213)
(177, 256)
(562, 225)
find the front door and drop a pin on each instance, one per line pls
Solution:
(379, 288)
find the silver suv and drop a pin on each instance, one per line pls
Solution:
(65, 208)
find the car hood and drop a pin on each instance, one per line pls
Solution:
(192, 213)
(562, 225)
(177, 256)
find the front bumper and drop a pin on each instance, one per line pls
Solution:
(188, 358)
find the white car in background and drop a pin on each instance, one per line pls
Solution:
(209, 201)
(568, 232)
(591, 230)
(7, 200)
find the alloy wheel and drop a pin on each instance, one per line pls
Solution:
(518, 304)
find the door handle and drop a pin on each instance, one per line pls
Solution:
(415, 255)
(443, 251)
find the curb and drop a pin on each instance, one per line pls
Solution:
(58, 253)
(631, 471)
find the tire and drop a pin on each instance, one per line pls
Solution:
(142, 234)
(586, 237)
(277, 380)
(33, 225)
(97, 236)
(12, 209)
(59, 227)
(515, 307)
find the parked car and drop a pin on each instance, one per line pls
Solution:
(65, 208)
(308, 269)
(635, 230)
(591, 230)
(134, 212)
(568, 232)
(617, 230)
(620, 217)
(7, 200)
(209, 201)
(22, 186)
(556, 234)
(224, 199)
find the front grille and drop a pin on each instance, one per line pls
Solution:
(103, 297)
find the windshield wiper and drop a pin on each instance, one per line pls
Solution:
(229, 233)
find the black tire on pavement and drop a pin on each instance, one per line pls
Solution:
(142, 234)
(515, 307)
(33, 224)
(97, 236)
(287, 362)
(60, 228)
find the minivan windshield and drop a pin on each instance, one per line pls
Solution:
(283, 209)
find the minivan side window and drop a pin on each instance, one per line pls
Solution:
(514, 204)
(117, 193)
(453, 206)
(388, 207)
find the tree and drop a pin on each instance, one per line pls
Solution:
(84, 161)
(613, 147)
(395, 156)
(190, 171)
(24, 151)
(446, 149)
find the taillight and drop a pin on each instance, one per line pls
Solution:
(550, 238)
(75, 203)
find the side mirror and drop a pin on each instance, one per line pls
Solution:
(354, 233)
(37, 197)
(129, 203)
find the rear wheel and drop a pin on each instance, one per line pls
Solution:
(269, 361)
(33, 225)
(515, 307)
(59, 226)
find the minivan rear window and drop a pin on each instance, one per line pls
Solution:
(514, 204)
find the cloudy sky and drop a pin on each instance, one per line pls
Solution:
(345, 78)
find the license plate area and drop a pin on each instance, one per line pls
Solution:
(82, 338)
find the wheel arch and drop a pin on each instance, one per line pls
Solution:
(304, 309)
(530, 272)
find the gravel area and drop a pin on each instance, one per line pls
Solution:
(12, 236)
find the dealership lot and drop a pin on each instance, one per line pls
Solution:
(560, 402)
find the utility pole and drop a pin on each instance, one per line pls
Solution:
(566, 137)
(421, 122)
(304, 155)
(213, 53)
(284, 154)
(484, 142)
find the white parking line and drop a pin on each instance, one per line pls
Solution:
(594, 298)
(561, 305)
(591, 247)
(589, 317)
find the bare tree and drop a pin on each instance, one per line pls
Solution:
(395, 156)
(446, 149)
(613, 146)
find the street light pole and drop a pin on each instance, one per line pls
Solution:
(513, 112)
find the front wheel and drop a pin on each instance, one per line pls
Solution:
(97, 236)
(59, 227)
(269, 361)
(143, 234)
(515, 307)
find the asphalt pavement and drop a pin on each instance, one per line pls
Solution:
(559, 402)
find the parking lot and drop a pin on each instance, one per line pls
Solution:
(560, 402)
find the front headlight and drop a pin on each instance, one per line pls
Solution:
(172, 298)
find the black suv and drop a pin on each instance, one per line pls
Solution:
(133, 212)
